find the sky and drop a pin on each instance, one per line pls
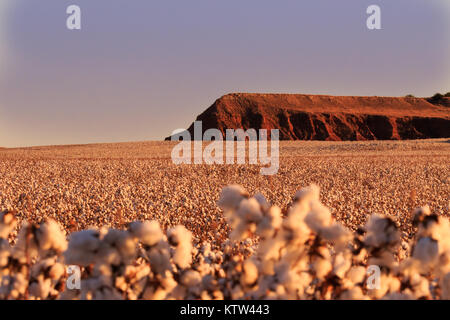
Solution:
(137, 70)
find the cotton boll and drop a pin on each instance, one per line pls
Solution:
(341, 265)
(383, 258)
(231, 197)
(307, 194)
(420, 214)
(270, 249)
(244, 222)
(388, 284)
(250, 273)
(270, 222)
(83, 248)
(249, 210)
(445, 286)
(336, 234)
(426, 251)
(191, 278)
(149, 232)
(182, 239)
(356, 274)
(7, 223)
(319, 217)
(27, 246)
(42, 266)
(118, 242)
(381, 231)
(5, 253)
(57, 271)
(51, 237)
(420, 286)
(41, 288)
(440, 231)
(321, 268)
(294, 225)
(179, 236)
(13, 286)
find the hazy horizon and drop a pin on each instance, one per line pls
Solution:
(139, 70)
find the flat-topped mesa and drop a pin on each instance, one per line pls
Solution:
(332, 118)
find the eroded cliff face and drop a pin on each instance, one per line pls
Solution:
(314, 117)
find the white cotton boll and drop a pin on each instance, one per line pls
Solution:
(321, 268)
(381, 231)
(420, 214)
(182, 239)
(159, 258)
(244, 221)
(249, 210)
(83, 248)
(122, 242)
(441, 232)
(445, 286)
(388, 283)
(57, 271)
(26, 246)
(421, 286)
(270, 222)
(426, 251)
(250, 273)
(149, 232)
(7, 223)
(270, 249)
(303, 200)
(155, 294)
(341, 265)
(383, 259)
(337, 234)
(231, 197)
(183, 256)
(356, 274)
(5, 253)
(444, 263)
(41, 266)
(319, 217)
(51, 237)
(310, 193)
(242, 230)
(14, 286)
(294, 227)
(179, 235)
(191, 278)
(41, 288)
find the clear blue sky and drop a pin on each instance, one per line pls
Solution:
(139, 69)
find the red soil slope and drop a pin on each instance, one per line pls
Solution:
(317, 117)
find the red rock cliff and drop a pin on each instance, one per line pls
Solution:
(320, 117)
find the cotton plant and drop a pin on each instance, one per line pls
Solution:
(298, 253)
(33, 268)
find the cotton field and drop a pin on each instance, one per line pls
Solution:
(139, 227)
